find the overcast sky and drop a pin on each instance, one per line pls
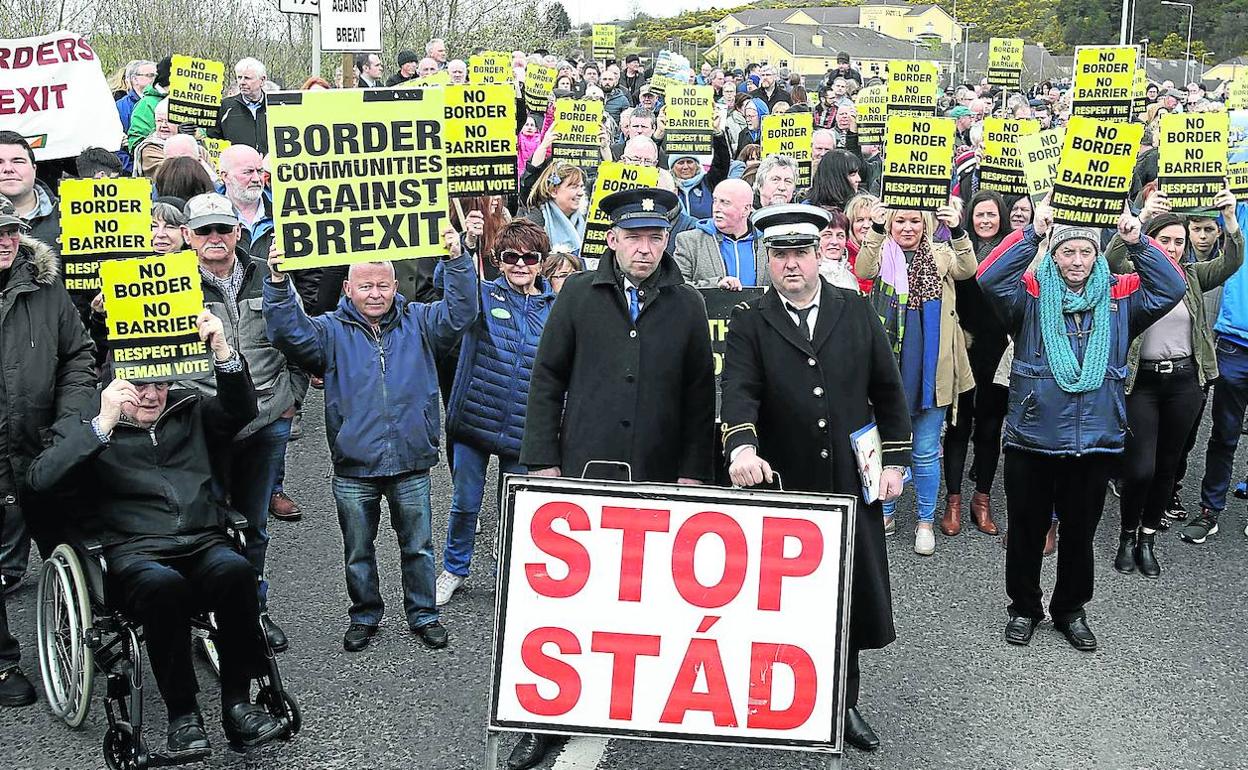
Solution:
(582, 11)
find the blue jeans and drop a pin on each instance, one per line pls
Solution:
(251, 472)
(1230, 399)
(926, 459)
(359, 515)
(469, 478)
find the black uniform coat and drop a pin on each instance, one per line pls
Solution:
(641, 394)
(798, 401)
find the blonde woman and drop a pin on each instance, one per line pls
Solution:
(556, 205)
(916, 300)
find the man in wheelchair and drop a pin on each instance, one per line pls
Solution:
(145, 463)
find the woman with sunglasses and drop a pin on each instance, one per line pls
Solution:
(486, 412)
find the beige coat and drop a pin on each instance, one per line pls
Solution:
(955, 261)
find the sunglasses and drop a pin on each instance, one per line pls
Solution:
(211, 229)
(523, 259)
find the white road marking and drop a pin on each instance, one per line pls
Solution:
(580, 754)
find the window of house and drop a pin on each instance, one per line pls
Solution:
(736, 41)
(749, 43)
(784, 64)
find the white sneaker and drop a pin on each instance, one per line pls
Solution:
(446, 587)
(924, 540)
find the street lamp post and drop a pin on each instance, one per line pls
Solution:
(1122, 27)
(1187, 61)
(966, 46)
(1042, 52)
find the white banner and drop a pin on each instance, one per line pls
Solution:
(53, 92)
(692, 614)
(351, 26)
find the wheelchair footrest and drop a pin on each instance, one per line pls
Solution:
(160, 759)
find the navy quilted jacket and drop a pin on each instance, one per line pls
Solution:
(491, 391)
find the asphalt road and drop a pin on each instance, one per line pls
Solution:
(1167, 689)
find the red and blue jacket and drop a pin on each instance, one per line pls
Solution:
(1042, 417)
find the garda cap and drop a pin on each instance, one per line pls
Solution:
(642, 207)
(790, 225)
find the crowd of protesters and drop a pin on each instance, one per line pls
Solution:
(1080, 360)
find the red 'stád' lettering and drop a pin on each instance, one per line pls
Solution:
(559, 546)
(624, 649)
(552, 670)
(764, 657)
(703, 654)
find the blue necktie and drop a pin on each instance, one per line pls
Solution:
(634, 309)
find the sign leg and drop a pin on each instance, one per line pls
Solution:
(491, 751)
(834, 762)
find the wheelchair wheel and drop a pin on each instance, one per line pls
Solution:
(63, 620)
(282, 706)
(123, 750)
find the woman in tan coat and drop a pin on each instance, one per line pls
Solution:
(914, 296)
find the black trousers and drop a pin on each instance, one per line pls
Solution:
(1162, 411)
(981, 413)
(1036, 486)
(164, 594)
(1181, 472)
(853, 679)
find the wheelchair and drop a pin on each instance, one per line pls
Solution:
(80, 637)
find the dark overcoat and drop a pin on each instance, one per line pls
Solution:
(798, 401)
(604, 388)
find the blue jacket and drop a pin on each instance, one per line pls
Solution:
(382, 408)
(1233, 314)
(1042, 417)
(491, 390)
(125, 107)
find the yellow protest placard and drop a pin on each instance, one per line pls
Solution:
(1191, 158)
(790, 134)
(1040, 154)
(663, 84)
(539, 81)
(1237, 92)
(612, 177)
(480, 138)
(871, 105)
(1104, 82)
(102, 219)
(359, 175)
(152, 304)
(1005, 62)
(690, 120)
(1237, 179)
(1001, 166)
(918, 162)
(604, 41)
(577, 125)
(436, 80)
(1090, 186)
(490, 67)
(1139, 93)
(215, 147)
(913, 87)
(195, 88)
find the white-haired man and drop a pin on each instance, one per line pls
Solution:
(241, 119)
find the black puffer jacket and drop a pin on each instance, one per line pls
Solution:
(45, 360)
(151, 487)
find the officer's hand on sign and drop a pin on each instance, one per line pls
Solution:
(550, 473)
(1157, 203)
(749, 469)
(212, 332)
(1129, 227)
(1043, 219)
(474, 228)
(892, 481)
(275, 265)
(730, 282)
(112, 398)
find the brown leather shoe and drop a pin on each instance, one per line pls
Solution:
(1050, 540)
(282, 507)
(981, 512)
(951, 521)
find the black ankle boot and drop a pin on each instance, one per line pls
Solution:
(1124, 561)
(1145, 560)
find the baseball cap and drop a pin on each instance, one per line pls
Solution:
(9, 217)
(210, 209)
(959, 112)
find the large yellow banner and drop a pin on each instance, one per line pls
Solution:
(1095, 169)
(918, 162)
(690, 120)
(480, 138)
(1191, 158)
(152, 304)
(790, 134)
(577, 125)
(102, 219)
(195, 88)
(1104, 82)
(490, 67)
(1005, 62)
(913, 87)
(358, 175)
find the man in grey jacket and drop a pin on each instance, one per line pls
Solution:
(233, 291)
(720, 252)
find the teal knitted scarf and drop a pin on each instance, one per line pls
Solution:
(1056, 300)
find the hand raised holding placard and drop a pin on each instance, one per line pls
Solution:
(1043, 219)
(275, 265)
(212, 332)
(1129, 228)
